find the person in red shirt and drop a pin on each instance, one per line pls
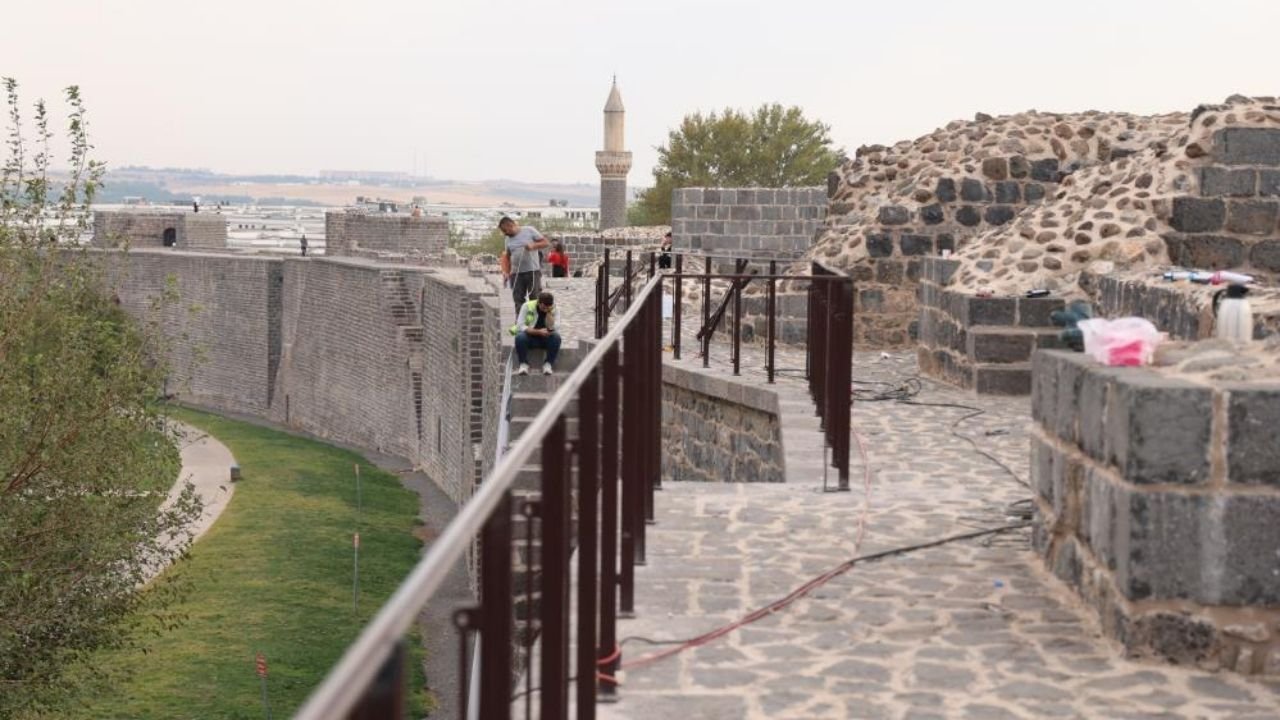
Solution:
(559, 260)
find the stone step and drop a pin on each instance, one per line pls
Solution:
(528, 404)
(521, 423)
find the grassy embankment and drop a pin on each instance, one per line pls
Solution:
(273, 575)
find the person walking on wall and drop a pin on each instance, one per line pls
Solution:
(523, 245)
(559, 260)
(303, 243)
(536, 328)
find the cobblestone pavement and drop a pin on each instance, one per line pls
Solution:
(969, 629)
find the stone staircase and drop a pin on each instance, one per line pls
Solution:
(529, 394)
(399, 303)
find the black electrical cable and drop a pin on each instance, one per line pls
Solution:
(955, 431)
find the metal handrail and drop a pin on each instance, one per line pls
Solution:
(346, 682)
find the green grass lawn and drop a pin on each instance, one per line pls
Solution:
(273, 575)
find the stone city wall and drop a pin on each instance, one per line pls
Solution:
(224, 350)
(984, 344)
(145, 229)
(395, 359)
(1158, 501)
(716, 430)
(386, 236)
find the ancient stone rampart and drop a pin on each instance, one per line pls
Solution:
(398, 359)
(1158, 501)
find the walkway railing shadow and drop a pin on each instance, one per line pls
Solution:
(615, 460)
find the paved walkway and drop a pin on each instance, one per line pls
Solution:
(966, 629)
(206, 464)
(971, 629)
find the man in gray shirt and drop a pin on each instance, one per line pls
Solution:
(523, 245)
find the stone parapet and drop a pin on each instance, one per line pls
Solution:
(979, 343)
(719, 430)
(1158, 501)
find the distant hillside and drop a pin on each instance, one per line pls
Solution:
(180, 184)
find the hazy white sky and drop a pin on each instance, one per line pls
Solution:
(477, 89)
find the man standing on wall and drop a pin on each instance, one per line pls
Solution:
(523, 245)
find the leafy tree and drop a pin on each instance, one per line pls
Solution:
(85, 458)
(770, 147)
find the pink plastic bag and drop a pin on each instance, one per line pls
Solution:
(1124, 341)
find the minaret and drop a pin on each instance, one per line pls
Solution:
(613, 163)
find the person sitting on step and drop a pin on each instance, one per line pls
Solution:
(536, 328)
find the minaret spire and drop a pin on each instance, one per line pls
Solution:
(614, 162)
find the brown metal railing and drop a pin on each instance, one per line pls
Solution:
(829, 360)
(617, 389)
(828, 334)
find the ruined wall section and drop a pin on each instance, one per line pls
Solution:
(891, 206)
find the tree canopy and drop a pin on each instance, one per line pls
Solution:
(771, 146)
(85, 458)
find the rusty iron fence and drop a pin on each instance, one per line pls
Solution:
(596, 496)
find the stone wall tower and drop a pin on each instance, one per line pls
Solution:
(614, 162)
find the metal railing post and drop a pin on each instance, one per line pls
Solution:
(588, 557)
(676, 307)
(604, 296)
(496, 613)
(655, 396)
(737, 328)
(841, 379)
(772, 319)
(385, 696)
(556, 516)
(706, 312)
(626, 282)
(609, 525)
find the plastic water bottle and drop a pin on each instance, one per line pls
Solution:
(1234, 315)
